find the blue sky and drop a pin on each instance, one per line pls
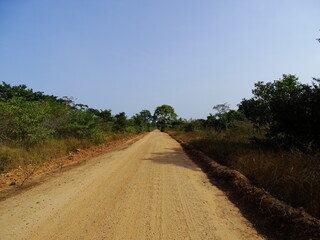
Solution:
(132, 55)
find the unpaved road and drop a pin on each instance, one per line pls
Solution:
(150, 190)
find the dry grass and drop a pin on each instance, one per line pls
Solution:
(14, 156)
(290, 175)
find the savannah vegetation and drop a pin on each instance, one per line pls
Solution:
(272, 138)
(36, 127)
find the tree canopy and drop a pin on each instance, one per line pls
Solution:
(29, 117)
(164, 116)
(289, 109)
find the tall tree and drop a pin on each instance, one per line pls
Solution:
(120, 123)
(164, 115)
(146, 115)
(289, 109)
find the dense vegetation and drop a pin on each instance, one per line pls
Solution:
(284, 113)
(35, 126)
(273, 138)
(289, 110)
(29, 117)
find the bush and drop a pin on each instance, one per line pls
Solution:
(289, 110)
(23, 121)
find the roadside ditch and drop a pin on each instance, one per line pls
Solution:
(272, 217)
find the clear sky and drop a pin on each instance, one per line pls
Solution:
(129, 55)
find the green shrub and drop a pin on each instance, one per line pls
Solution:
(23, 121)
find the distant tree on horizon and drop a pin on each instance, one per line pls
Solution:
(164, 116)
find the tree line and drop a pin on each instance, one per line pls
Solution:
(286, 112)
(29, 117)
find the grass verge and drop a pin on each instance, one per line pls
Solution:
(19, 164)
(291, 176)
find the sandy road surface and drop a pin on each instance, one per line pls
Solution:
(150, 190)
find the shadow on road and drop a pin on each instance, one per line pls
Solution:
(177, 156)
(173, 156)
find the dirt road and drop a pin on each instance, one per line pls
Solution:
(150, 190)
